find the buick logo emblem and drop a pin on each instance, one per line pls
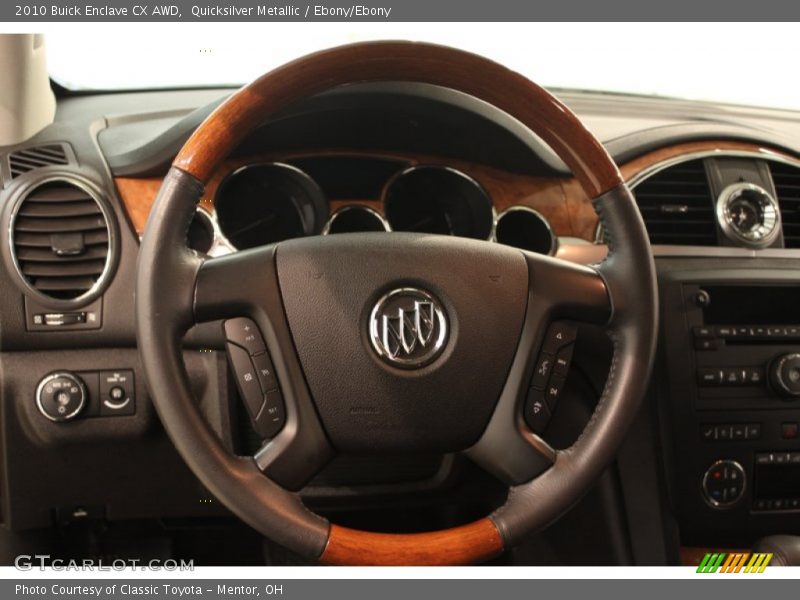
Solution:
(408, 328)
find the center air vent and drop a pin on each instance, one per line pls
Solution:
(61, 238)
(677, 206)
(787, 189)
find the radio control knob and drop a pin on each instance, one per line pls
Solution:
(723, 484)
(61, 396)
(785, 375)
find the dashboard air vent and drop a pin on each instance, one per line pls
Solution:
(677, 206)
(787, 188)
(28, 159)
(60, 238)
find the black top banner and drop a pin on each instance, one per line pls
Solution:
(398, 11)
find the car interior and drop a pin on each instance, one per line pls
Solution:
(394, 303)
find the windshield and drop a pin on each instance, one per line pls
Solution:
(691, 61)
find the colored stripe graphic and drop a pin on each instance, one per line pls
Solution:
(733, 563)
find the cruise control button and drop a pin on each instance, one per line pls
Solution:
(542, 372)
(272, 416)
(243, 332)
(265, 372)
(246, 379)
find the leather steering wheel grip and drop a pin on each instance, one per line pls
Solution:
(366, 62)
(166, 265)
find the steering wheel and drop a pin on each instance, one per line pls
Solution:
(396, 342)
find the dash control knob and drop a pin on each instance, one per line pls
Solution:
(61, 396)
(785, 375)
(723, 484)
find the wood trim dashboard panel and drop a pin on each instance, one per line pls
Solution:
(560, 200)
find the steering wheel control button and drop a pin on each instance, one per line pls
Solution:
(553, 391)
(60, 397)
(117, 396)
(408, 328)
(255, 377)
(549, 376)
(563, 359)
(559, 335)
(271, 418)
(265, 372)
(542, 372)
(243, 332)
(246, 380)
(724, 484)
(537, 413)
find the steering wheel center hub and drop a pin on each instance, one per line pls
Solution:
(408, 328)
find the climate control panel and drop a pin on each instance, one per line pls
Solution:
(723, 483)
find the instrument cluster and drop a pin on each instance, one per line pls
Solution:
(264, 203)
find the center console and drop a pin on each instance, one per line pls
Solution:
(730, 402)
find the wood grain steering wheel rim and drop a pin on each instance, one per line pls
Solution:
(160, 321)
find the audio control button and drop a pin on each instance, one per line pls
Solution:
(785, 374)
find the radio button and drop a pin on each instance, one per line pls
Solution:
(709, 376)
(789, 431)
(764, 458)
(708, 432)
(732, 376)
(739, 432)
(724, 433)
(755, 375)
(703, 332)
(753, 431)
(706, 344)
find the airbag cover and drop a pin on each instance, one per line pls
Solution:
(330, 286)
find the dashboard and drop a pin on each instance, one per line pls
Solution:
(718, 188)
